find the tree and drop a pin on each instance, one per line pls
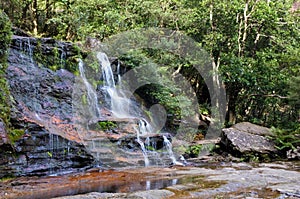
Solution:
(5, 38)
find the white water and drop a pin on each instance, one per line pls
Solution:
(168, 146)
(121, 106)
(29, 50)
(92, 96)
(120, 103)
(147, 162)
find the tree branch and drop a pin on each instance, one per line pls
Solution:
(269, 95)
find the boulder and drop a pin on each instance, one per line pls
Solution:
(253, 129)
(248, 140)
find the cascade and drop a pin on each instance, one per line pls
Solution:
(91, 93)
(29, 49)
(123, 107)
(51, 152)
(168, 146)
(36, 93)
(147, 163)
(120, 104)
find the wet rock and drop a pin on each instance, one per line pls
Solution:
(3, 134)
(248, 140)
(42, 108)
(227, 181)
(95, 195)
(153, 194)
(154, 141)
(41, 96)
(41, 153)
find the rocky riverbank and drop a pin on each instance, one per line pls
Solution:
(214, 180)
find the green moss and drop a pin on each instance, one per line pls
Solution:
(7, 178)
(52, 59)
(84, 100)
(15, 134)
(107, 125)
(103, 126)
(5, 37)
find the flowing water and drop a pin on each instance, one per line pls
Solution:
(120, 104)
(91, 94)
(168, 146)
(124, 108)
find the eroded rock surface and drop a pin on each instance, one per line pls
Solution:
(231, 180)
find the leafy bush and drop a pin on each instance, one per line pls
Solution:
(5, 38)
(286, 139)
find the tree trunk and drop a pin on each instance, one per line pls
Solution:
(35, 17)
(231, 105)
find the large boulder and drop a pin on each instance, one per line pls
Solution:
(248, 141)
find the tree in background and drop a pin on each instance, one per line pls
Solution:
(5, 37)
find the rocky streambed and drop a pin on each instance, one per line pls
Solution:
(213, 180)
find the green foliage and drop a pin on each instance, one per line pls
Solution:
(194, 150)
(15, 134)
(54, 59)
(5, 38)
(106, 125)
(49, 154)
(286, 139)
(294, 92)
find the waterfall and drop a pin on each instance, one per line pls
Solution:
(122, 107)
(119, 102)
(168, 146)
(91, 93)
(30, 50)
(147, 162)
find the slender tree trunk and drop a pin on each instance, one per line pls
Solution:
(35, 17)
(231, 112)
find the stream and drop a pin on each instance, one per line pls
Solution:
(203, 180)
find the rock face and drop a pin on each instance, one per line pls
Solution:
(248, 140)
(3, 134)
(50, 136)
(40, 153)
(41, 113)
